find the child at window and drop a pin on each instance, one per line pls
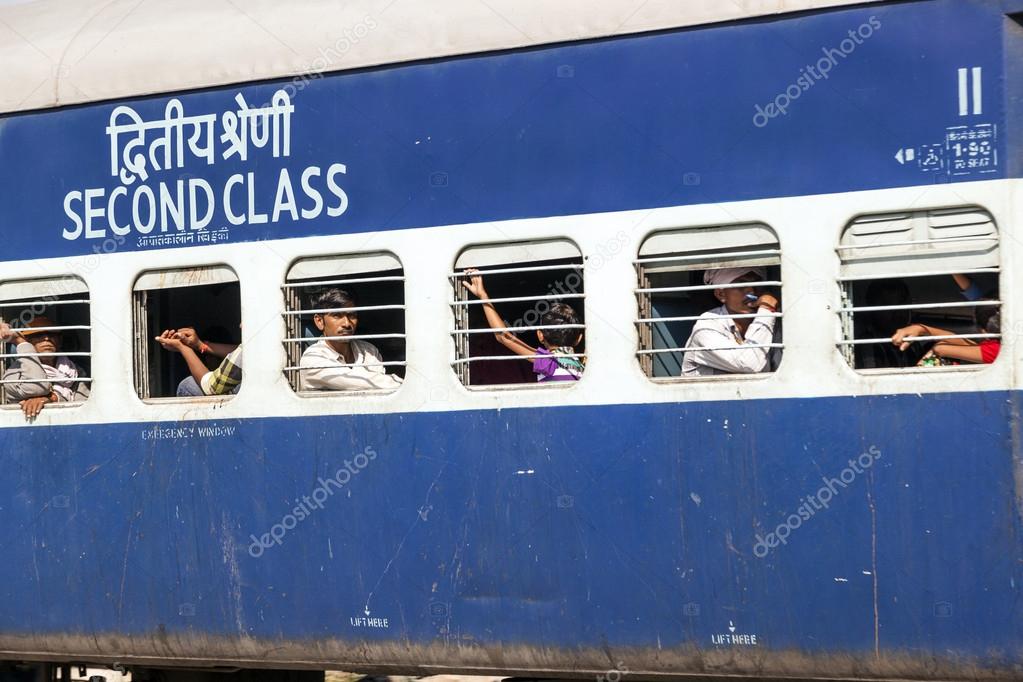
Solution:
(988, 320)
(556, 358)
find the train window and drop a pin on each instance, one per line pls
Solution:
(49, 320)
(202, 305)
(532, 330)
(927, 278)
(709, 302)
(345, 323)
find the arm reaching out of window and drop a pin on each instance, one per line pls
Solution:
(507, 339)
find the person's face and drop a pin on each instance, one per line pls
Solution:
(734, 298)
(889, 320)
(337, 324)
(45, 342)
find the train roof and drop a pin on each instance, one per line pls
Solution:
(61, 52)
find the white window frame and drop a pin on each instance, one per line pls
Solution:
(698, 248)
(503, 258)
(21, 293)
(162, 279)
(929, 243)
(337, 270)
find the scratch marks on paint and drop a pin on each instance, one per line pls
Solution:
(873, 561)
(420, 517)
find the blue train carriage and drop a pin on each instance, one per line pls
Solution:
(829, 507)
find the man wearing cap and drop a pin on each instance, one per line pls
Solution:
(723, 344)
(44, 378)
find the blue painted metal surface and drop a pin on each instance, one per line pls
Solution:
(622, 526)
(634, 122)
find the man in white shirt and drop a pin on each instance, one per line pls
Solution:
(335, 363)
(726, 345)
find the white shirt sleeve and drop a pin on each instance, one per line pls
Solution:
(735, 358)
(326, 373)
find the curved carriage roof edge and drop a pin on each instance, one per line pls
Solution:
(63, 52)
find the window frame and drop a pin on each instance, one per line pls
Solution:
(703, 259)
(847, 341)
(461, 302)
(294, 311)
(142, 338)
(33, 299)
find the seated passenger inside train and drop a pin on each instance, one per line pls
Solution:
(877, 324)
(335, 363)
(224, 380)
(954, 351)
(42, 380)
(926, 306)
(557, 357)
(724, 344)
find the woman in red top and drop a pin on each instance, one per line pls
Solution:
(967, 350)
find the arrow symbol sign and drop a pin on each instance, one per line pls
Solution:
(731, 626)
(904, 156)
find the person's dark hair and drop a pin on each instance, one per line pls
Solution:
(988, 318)
(333, 298)
(884, 291)
(560, 313)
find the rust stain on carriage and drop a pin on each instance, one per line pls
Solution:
(167, 649)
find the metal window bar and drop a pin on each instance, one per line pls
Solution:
(353, 337)
(16, 304)
(516, 299)
(82, 354)
(932, 273)
(708, 287)
(919, 306)
(141, 341)
(52, 329)
(646, 310)
(467, 361)
(693, 318)
(45, 381)
(532, 268)
(393, 363)
(685, 349)
(860, 342)
(539, 327)
(950, 240)
(353, 309)
(847, 323)
(707, 256)
(461, 313)
(292, 329)
(334, 282)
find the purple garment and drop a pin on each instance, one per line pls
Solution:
(548, 369)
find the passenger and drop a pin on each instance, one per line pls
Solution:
(554, 359)
(721, 343)
(51, 379)
(988, 321)
(336, 364)
(878, 324)
(224, 380)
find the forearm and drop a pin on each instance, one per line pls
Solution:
(968, 353)
(221, 350)
(505, 338)
(195, 366)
